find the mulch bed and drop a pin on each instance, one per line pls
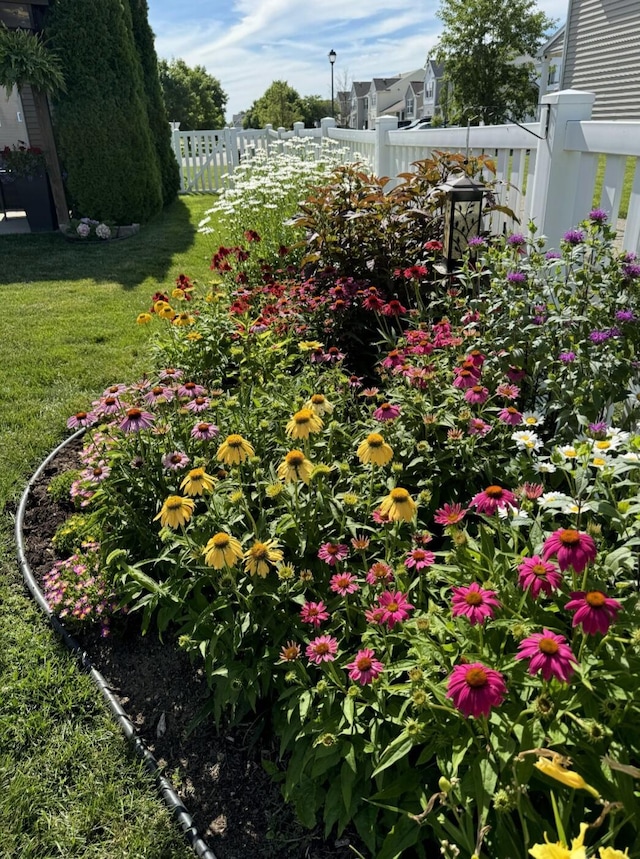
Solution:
(219, 776)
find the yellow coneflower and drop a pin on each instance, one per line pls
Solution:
(319, 405)
(175, 511)
(197, 482)
(260, 555)
(295, 466)
(398, 506)
(182, 319)
(303, 423)
(194, 335)
(222, 550)
(309, 345)
(375, 449)
(143, 318)
(234, 450)
(160, 305)
(178, 294)
(166, 312)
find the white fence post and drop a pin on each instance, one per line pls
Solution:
(382, 162)
(177, 150)
(326, 123)
(556, 179)
(298, 128)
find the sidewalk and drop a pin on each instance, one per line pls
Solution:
(13, 222)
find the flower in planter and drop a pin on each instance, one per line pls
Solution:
(22, 160)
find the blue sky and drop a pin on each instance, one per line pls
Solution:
(247, 44)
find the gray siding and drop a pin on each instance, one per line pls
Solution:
(602, 55)
(11, 131)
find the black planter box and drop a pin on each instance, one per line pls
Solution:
(33, 195)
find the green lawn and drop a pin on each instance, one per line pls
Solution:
(69, 786)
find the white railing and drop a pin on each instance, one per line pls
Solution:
(546, 171)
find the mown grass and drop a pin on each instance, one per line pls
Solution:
(69, 786)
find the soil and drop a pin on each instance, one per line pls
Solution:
(219, 776)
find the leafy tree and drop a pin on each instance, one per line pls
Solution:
(480, 42)
(156, 113)
(192, 96)
(280, 105)
(102, 128)
(314, 108)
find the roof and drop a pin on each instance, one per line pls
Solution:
(397, 107)
(361, 87)
(555, 44)
(437, 69)
(384, 83)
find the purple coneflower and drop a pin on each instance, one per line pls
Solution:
(474, 689)
(204, 431)
(135, 420)
(548, 654)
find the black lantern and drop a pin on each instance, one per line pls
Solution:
(462, 215)
(332, 59)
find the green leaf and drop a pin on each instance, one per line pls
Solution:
(396, 749)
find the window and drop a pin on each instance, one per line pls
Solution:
(428, 89)
(365, 103)
(15, 15)
(409, 106)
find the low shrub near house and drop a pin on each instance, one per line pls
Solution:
(425, 585)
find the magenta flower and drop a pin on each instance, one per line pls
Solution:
(374, 615)
(465, 378)
(136, 420)
(386, 412)
(82, 419)
(508, 391)
(450, 514)
(191, 390)
(314, 613)
(198, 404)
(479, 427)
(395, 607)
(343, 584)
(331, 553)
(322, 649)
(379, 573)
(474, 603)
(567, 357)
(204, 431)
(170, 374)
(549, 655)
(109, 405)
(573, 548)
(538, 575)
(365, 667)
(175, 460)
(493, 498)
(510, 416)
(474, 689)
(594, 610)
(476, 395)
(159, 394)
(419, 559)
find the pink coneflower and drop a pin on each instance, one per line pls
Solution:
(96, 473)
(386, 412)
(204, 431)
(114, 390)
(475, 356)
(474, 603)
(476, 395)
(509, 392)
(159, 394)
(549, 655)
(360, 543)
(393, 308)
(379, 573)
(191, 390)
(478, 427)
(374, 615)
(510, 415)
(573, 548)
(516, 374)
(538, 575)
(395, 358)
(530, 491)
(289, 652)
(594, 610)
(333, 355)
(419, 559)
(198, 404)
(314, 613)
(175, 460)
(343, 584)
(322, 649)
(379, 517)
(109, 405)
(395, 607)
(365, 667)
(170, 374)
(370, 392)
(331, 553)
(136, 420)
(474, 689)
(449, 514)
(82, 419)
(464, 378)
(493, 498)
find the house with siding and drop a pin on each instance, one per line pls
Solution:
(359, 105)
(388, 96)
(549, 62)
(602, 55)
(433, 88)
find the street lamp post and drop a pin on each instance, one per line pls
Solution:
(332, 59)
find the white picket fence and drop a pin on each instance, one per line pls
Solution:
(546, 170)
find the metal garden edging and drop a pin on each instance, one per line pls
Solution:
(168, 794)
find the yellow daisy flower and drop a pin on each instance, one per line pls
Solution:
(182, 319)
(303, 423)
(375, 449)
(309, 345)
(295, 466)
(234, 450)
(175, 511)
(166, 312)
(194, 335)
(319, 405)
(398, 505)
(222, 550)
(260, 555)
(143, 318)
(159, 305)
(178, 294)
(197, 482)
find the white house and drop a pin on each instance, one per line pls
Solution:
(549, 62)
(433, 88)
(387, 96)
(359, 105)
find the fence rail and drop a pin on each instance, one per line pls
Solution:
(547, 171)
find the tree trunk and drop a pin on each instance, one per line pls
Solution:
(51, 157)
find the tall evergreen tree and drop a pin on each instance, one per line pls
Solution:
(101, 123)
(158, 121)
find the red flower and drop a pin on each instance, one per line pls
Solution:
(594, 610)
(573, 549)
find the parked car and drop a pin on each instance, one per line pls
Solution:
(425, 122)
